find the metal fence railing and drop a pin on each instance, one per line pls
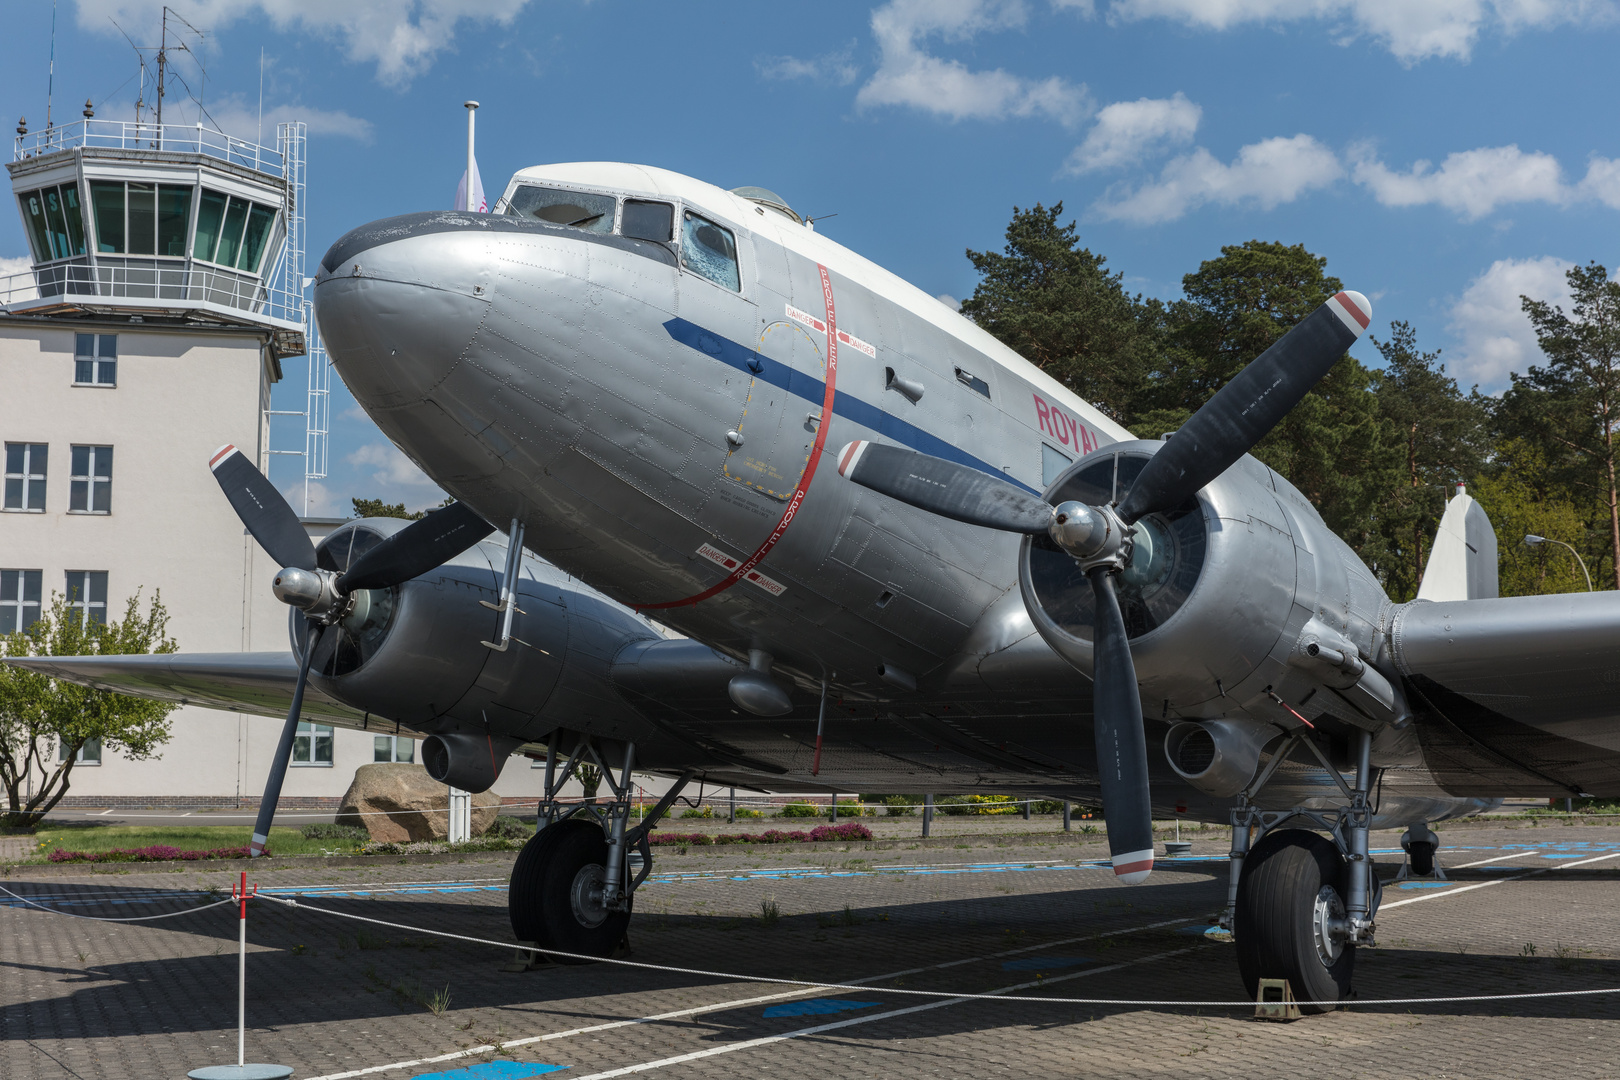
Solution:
(130, 136)
(67, 280)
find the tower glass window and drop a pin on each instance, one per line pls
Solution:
(25, 477)
(55, 222)
(90, 486)
(87, 594)
(95, 359)
(19, 599)
(141, 219)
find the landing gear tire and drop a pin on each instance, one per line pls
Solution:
(556, 893)
(1292, 887)
(1420, 856)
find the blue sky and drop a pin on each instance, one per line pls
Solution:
(1444, 155)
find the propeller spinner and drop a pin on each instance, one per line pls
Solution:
(325, 596)
(1102, 538)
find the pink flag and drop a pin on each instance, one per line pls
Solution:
(480, 204)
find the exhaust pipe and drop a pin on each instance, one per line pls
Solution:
(468, 762)
(1218, 757)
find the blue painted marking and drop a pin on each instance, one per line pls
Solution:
(1566, 855)
(1424, 884)
(493, 1070)
(797, 383)
(1043, 963)
(816, 1007)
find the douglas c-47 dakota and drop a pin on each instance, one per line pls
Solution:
(903, 559)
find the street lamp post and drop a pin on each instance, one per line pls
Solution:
(1532, 540)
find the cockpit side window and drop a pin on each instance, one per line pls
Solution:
(709, 250)
(577, 209)
(648, 220)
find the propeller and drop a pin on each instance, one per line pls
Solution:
(324, 595)
(1100, 538)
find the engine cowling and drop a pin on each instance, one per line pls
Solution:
(413, 654)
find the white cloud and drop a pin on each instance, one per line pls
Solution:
(13, 291)
(1602, 182)
(239, 117)
(402, 37)
(323, 502)
(1127, 131)
(909, 76)
(1473, 183)
(949, 301)
(837, 68)
(1490, 323)
(396, 476)
(1266, 174)
(1412, 30)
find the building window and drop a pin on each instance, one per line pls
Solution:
(89, 753)
(87, 593)
(25, 477)
(19, 599)
(55, 223)
(95, 360)
(140, 218)
(1053, 462)
(234, 232)
(393, 748)
(90, 491)
(313, 744)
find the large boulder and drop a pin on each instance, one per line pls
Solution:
(401, 802)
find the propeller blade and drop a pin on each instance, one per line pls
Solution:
(278, 767)
(416, 549)
(958, 492)
(1116, 705)
(1245, 409)
(262, 509)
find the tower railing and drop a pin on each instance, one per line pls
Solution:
(128, 135)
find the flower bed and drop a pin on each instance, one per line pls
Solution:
(850, 831)
(156, 853)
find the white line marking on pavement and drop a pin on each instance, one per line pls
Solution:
(1496, 858)
(749, 1044)
(1499, 881)
(738, 1003)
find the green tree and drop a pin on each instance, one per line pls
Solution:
(1442, 437)
(1335, 445)
(364, 508)
(45, 722)
(1518, 501)
(1570, 406)
(1053, 302)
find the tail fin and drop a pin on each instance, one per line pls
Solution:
(1462, 565)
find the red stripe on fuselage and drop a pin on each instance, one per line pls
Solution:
(771, 541)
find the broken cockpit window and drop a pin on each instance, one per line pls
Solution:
(576, 209)
(708, 249)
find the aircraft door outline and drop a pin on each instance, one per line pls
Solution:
(778, 427)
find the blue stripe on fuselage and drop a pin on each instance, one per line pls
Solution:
(813, 390)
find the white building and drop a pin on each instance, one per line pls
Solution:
(163, 300)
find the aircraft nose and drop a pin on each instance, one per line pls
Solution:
(399, 301)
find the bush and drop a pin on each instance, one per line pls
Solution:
(335, 832)
(698, 812)
(854, 809)
(510, 828)
(977, 804)
(848, 831)
(800, 809)
(746, 812)
(679, 838)
(155, 853)
(1048, 806)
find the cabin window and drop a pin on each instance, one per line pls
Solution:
(575, 209)
(708, 250)
(648, 220)
(1053, 462)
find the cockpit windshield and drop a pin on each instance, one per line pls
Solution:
(576, 209)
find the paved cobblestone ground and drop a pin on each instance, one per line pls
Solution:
(330, 996)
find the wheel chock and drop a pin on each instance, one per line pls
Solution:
(1275, 1001)
(526, 959)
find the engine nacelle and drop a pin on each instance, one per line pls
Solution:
(466, 761)
(1216, 595)
(413, 653)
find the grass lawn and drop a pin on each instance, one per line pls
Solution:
(76, 837)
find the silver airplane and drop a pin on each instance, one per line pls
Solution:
(901, 557)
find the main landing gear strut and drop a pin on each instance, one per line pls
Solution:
(1298, 903)
(574, 883)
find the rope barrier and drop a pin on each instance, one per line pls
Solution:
(98, 918)
(847, 987)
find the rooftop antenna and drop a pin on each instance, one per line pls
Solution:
(50, 80)
(260, 139)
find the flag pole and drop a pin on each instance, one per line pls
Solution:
(472, 112)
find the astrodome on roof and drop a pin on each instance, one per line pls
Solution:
(767, 197)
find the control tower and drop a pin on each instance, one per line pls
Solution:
(165, 292)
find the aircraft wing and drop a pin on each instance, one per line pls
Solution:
(1523, 689)
(260, 683)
